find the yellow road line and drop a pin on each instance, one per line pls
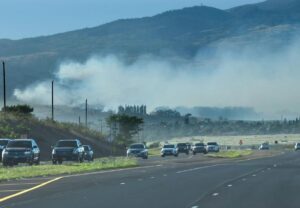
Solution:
(28, 190)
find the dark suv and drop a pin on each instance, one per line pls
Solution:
(183, 148)
(3, 143)
(67, 150)
(21, 151)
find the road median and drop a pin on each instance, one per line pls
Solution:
(19, 172)
(231, 154)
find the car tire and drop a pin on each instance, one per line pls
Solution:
(54, 162)
(81, 159)
(31, 162)
(162, 155)
(37, 162)
(194, 153)
(60, 162)
(176, 155)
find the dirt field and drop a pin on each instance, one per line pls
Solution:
(286, 139)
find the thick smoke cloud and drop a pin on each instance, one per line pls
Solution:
(258, 77)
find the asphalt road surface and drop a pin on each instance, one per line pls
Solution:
(186, 182)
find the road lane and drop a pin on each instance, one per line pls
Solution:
(168, 185)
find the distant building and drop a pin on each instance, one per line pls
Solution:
(133, 110)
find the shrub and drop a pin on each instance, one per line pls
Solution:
(19, 109)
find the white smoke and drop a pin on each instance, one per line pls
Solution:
(266, 80)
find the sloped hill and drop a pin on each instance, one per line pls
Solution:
(47, 134)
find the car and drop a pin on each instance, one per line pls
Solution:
(3, 143)
(169, 149)
(88, 153)
(212, 147)
(137, 150)
(21, 151)
(264, 146)
(297, 146)
(183, 148)
(67, 150)
(199, 148)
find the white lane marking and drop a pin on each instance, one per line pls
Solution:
(253, 175)
(111, 171)
(258, 158)
(152, 177)
(244, 179)
(140, 179)
(194, 206)
(274, 165)
(199, 168)
(4, 191)
(229, 185)
(269, 168)
(165, 175)
(122, 183)
(17, 184)
(215, 194)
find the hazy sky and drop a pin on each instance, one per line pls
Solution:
(28, 18)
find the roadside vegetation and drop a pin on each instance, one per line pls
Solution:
(231, 154)
(154, 151)
(18, 172)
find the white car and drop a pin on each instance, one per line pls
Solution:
(297, 146)
(169, 149)
(212, 147)
(264, 146)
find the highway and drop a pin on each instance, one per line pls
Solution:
(186, 182)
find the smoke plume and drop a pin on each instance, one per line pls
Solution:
(258, 77)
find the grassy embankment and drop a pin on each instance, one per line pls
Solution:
(50, 170)
(231, 154)
(154, 151)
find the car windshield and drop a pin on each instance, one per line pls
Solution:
(3, 142)
(137, 146)
(86, 148)
(199, 144)
(169, 146)
(66, 144)
(212, 143)
(19, 144)
(181, 145)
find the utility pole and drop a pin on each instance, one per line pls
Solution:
(79, 122)
(4, 87)
(86, 105)
(101, 126)
(52, 100)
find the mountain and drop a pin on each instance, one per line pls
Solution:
(173, 33)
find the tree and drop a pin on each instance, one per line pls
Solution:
(124, 127)
(19, 109)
